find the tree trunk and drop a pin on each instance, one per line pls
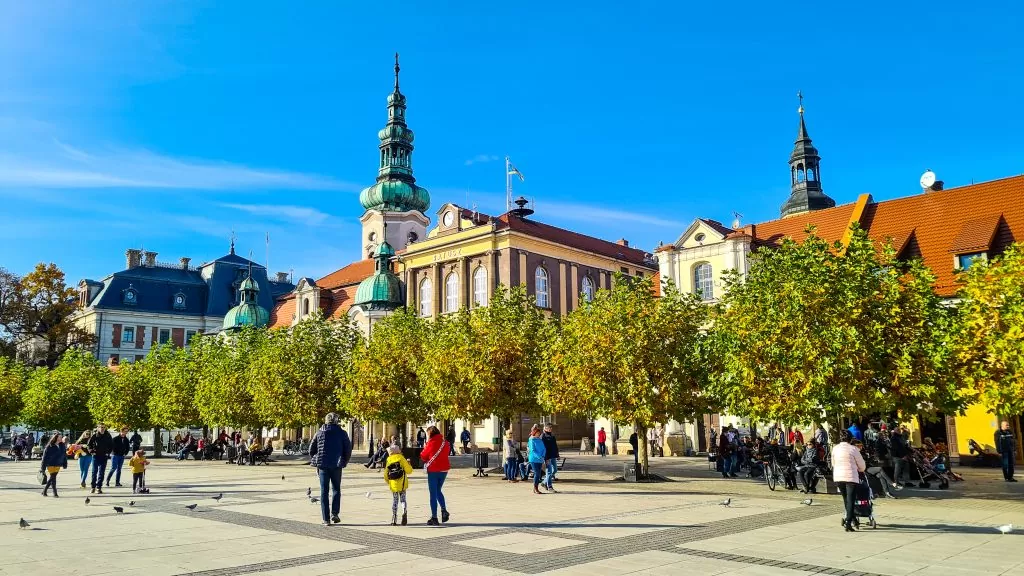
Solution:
(156, 442)
(641, 451)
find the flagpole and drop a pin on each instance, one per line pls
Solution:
(508, 185)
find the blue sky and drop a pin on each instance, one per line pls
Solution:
(168, 124)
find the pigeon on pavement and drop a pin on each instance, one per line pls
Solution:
(132, 503)
(118, 509)
(309, 492)
(808, 502)
(313, 499)
(282, 476)
(86, 500)
(22, 524)
(217, 497)
(192, 506)
(727, 502)
(1005, 529)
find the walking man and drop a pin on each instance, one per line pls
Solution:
(421, 438)
(329, 452)
(602, 439)
(1006, 445)
(465, 439)
(121, 448)
(550, 457)
(101, 444)
(135, 442)
(450, 438)
(899, 449)
(634, 441)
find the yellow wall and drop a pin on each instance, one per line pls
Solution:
(978, 425)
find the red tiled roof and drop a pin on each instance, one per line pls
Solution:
(354, 273)
(718, 226)
(574, 240)
(980, 217)
(283, 312)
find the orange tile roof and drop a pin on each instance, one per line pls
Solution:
(933, 225)
(283, 312)
(574, 240)
(354, 273)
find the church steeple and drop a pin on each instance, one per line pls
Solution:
(805, 177)
(396, 188)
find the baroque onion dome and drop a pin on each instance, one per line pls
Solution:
(395, 189)
(383, 290)
(805, 176)
(248, 312)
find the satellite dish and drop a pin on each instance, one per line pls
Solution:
(927, 179)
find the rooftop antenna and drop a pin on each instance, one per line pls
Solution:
(232, 241)
(268, 253)
(737, 217)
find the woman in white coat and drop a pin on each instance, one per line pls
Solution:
(847, 466)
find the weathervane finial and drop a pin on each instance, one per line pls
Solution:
(800, 96)
(397, 68)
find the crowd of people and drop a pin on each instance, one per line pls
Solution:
(94, 451)
(541, 458)
(250, 449)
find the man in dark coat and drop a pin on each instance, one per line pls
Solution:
(329, 452)
(550, 456)
(450, 437)
(136, 442)
(100, 445)
(1006, 445)
(120, 450)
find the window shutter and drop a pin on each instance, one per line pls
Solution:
(178, 337)
(140, 336)
(156, 335)
(116, 340)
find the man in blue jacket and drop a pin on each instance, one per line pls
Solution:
(329, 452)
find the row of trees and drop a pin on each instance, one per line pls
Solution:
(813, 332)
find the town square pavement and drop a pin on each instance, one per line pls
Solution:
(265, 524)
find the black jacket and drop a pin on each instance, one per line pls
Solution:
(330, 447)
(101, 444)
(120, 445)
(899, 446)
(136, 442)
(1005, 442)
(55, 455)
(550, 445)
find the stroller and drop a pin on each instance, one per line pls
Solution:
(982, 457)
(927, 470)
(863, 504)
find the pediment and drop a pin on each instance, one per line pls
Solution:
(701, 232)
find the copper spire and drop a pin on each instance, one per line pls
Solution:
(397, 68)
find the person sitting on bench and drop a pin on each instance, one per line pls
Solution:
(808, 469)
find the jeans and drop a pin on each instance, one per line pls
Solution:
(524, 470)
(84, 463)
(536, 468)
(435, 480)
(510, 469)
(602, 449)
(183, 454)
(115, 469)
(549, 477)
(883, 478)
(1007, 465)
(807, 477)
(899, 470)
(99, 467)
(848, 489)
(330, 477)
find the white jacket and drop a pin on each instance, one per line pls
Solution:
(847, 463)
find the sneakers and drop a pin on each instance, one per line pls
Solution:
(93, 491)
(115, 486)
(444, 515)
(897, 487)
(335, 519)
(99, 490)
(83, 484)
(326, 523)
(45, 493)
(433, 522)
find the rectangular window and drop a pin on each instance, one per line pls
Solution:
(165, 336)
(128, 335)
(549, 419)
(188, 337)
(966, 260)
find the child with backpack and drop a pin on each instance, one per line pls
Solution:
(138, 465)
(396, 473)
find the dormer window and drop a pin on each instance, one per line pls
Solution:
(965, 261)
(700, 237)
(130, 296)
(178, 302)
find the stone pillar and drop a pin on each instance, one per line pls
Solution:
(466, 283)
(562, 281)
(491, 265)
(438, 288)
(574, 289)
(523, 275)
(410, 291)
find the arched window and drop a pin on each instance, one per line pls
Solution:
(480, 287)
(799, 173)
(810, 174)
(703, 281)
(305, 307)
(451, 292)
(541, 287)
(426, 297)
(588, 289)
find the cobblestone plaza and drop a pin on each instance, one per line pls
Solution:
(595, 525)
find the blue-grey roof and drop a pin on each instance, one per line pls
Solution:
(209, 290)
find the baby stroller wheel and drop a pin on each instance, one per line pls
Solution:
(925, 485)
(944, 485)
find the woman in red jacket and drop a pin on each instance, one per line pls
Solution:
(435, 458)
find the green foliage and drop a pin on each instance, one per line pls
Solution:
(446, 372)
(630, 355)
(295, 376)
(989, 335)
(12, 383)
(818, 330)
(59, 398)
(383, 383)
(123, 401)
(171, 374)
(223, 395)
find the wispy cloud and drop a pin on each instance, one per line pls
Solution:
(64, 166)
(482, 159)
(300, 214)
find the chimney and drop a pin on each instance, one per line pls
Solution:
(623, 242)
(282, 277)
(150, 258)
(133, 258)
(937, 186)
(184, 263)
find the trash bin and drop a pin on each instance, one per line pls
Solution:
(480, 463)
(629, 472)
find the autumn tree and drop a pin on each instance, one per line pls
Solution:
(632, 356)
(12, 383)
(223, 393)
(989, 335)
(124, 399)
(447, 366)
(819, 330)
(59, 398)
(295, 376)
(383, 383)
(39, 306)
(171, 373)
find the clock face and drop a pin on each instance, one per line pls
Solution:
(449, 217)
(179, 300)
(129, 296)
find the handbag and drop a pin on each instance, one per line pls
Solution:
(41, 477)
(444, 446)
